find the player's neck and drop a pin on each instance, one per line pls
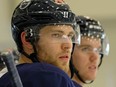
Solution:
(77, 80)
(24, 59)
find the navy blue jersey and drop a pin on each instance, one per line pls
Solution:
(39, 75)
(76, 84)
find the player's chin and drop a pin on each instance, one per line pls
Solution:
(63, 65)
(92, 77)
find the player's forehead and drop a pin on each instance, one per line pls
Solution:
(58, 28)
(93, 42)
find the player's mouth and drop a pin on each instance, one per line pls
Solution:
(64, 58)
(92, 68)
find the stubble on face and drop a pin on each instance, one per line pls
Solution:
(51, 52)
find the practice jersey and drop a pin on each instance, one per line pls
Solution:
(39, 75)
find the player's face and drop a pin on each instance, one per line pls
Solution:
(86, 58)
(55, 45)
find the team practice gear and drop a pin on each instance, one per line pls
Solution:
(91, 30)
(38, 75)
(32, 15)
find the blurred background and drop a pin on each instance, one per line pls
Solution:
(102, 10)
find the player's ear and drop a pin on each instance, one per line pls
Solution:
(25, 42)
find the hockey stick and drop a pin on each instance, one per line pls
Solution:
(8, 58)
